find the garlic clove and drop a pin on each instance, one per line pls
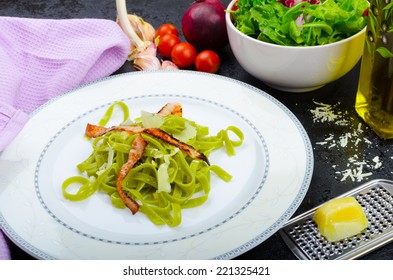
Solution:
(168, 65)
(147, 30)
(146, 62)
(150, 50)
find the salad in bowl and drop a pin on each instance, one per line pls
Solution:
(294, 45)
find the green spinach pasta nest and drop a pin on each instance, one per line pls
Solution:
(156, 164)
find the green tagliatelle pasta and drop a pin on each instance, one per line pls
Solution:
(165, 180)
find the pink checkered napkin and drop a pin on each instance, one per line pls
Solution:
(4, 250)
(42, 58)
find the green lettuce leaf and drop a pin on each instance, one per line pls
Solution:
(303, 24)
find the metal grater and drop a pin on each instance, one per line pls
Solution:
(305, 241)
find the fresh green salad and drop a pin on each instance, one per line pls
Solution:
(300, 22)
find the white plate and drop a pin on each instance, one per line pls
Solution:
(271, 173)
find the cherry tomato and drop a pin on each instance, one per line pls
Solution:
(207, 61)
(167, 28)
(166, 44)
(183, 54)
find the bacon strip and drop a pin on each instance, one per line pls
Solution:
(94, 131)
(188, 149)
(171, 109)
(138, 147)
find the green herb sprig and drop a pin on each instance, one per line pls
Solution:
(379, 26)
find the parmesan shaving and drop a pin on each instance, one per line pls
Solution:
(326, 113)
(350, 145)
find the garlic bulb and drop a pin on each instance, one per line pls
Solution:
(140, 32)
(143, 49)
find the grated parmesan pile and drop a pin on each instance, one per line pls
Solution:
(352, 145)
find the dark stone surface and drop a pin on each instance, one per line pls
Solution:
(325, 183)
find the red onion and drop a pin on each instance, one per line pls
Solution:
(203, 25)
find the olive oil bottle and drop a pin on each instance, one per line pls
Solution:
(374, 99)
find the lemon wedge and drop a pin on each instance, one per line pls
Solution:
(340, 218)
